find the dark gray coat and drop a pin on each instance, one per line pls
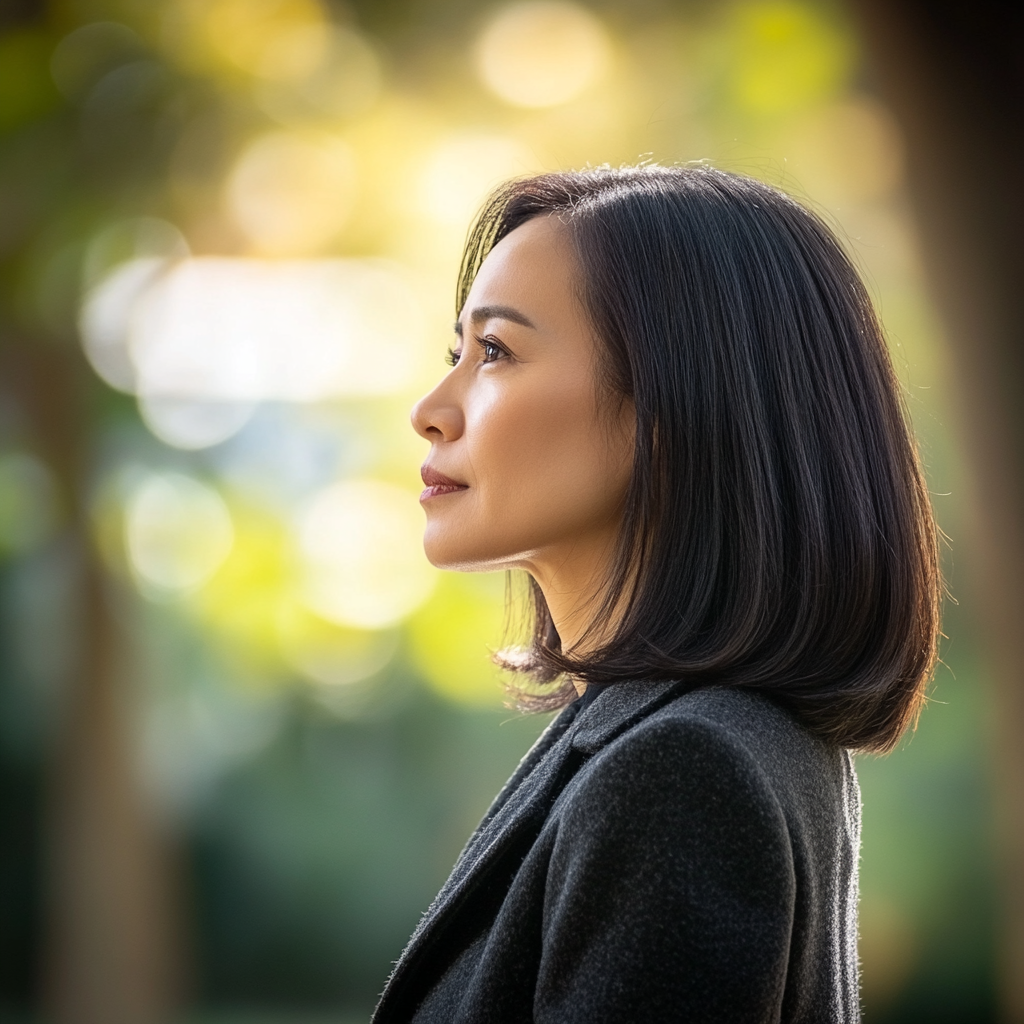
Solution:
(657, 856)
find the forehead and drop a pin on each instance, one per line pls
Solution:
(533, 264)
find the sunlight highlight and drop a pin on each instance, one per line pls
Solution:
(291, 193)
(201, 339)
(177, 532)
(541, 54)
(363, 559)
(464, 168)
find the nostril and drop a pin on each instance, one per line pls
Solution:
(438, 415)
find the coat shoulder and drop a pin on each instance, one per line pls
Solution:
(746, 736)
(750, 723)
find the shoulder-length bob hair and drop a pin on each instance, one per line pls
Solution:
(777, 534)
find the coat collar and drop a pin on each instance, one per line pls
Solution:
(616, 708)
(542, 774)
(513, 822)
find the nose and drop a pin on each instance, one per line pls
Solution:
(438, 416)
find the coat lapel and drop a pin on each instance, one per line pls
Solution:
(512, 823)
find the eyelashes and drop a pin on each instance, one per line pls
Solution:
(491, 349)
(492, 352)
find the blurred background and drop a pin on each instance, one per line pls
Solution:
(244, 726)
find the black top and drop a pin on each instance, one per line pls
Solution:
(657, 856)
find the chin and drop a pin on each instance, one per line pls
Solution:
(455, 552)
(443, 550)
(461, 561)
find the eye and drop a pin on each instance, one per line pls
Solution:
(452, 357)
(491, 349)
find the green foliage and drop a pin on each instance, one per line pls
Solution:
(27, 90)
(322, 775)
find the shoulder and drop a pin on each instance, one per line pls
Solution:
(698, 742)
(702, 847)
(725, 751)
(677, 804)
(751, 726)
(747, 726)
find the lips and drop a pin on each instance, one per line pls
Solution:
(438, 484)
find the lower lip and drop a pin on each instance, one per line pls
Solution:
(436, 490)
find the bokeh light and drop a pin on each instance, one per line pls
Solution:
(86, 55)
(453, 636)
(177, 531)
(314, 72)
(193, 423)
(242, 606)
(847, 150)
(330, 654)
(289, 56)
(291, 193)
(126, 240)
(253, 211)
(200, 338)
(106, 319)
(364, 562)
(461, 170)
(785, 55)
(542, 52)
(237, 36)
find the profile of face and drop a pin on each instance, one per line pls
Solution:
(530, 456)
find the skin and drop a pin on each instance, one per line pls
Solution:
(542, 454)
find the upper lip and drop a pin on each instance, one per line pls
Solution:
(432, 478)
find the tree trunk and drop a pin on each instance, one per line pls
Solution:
(953, 74)
(109, 954)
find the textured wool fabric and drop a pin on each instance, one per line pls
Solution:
(657, 856)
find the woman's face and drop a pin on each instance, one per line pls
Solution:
(529, 459)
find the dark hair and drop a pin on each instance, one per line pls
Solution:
(777, 534)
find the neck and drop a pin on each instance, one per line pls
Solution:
(574, 586)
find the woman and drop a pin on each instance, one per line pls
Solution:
(672, 405)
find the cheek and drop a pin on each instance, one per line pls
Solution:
(541, 456)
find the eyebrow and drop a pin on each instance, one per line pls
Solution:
(509, 313)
